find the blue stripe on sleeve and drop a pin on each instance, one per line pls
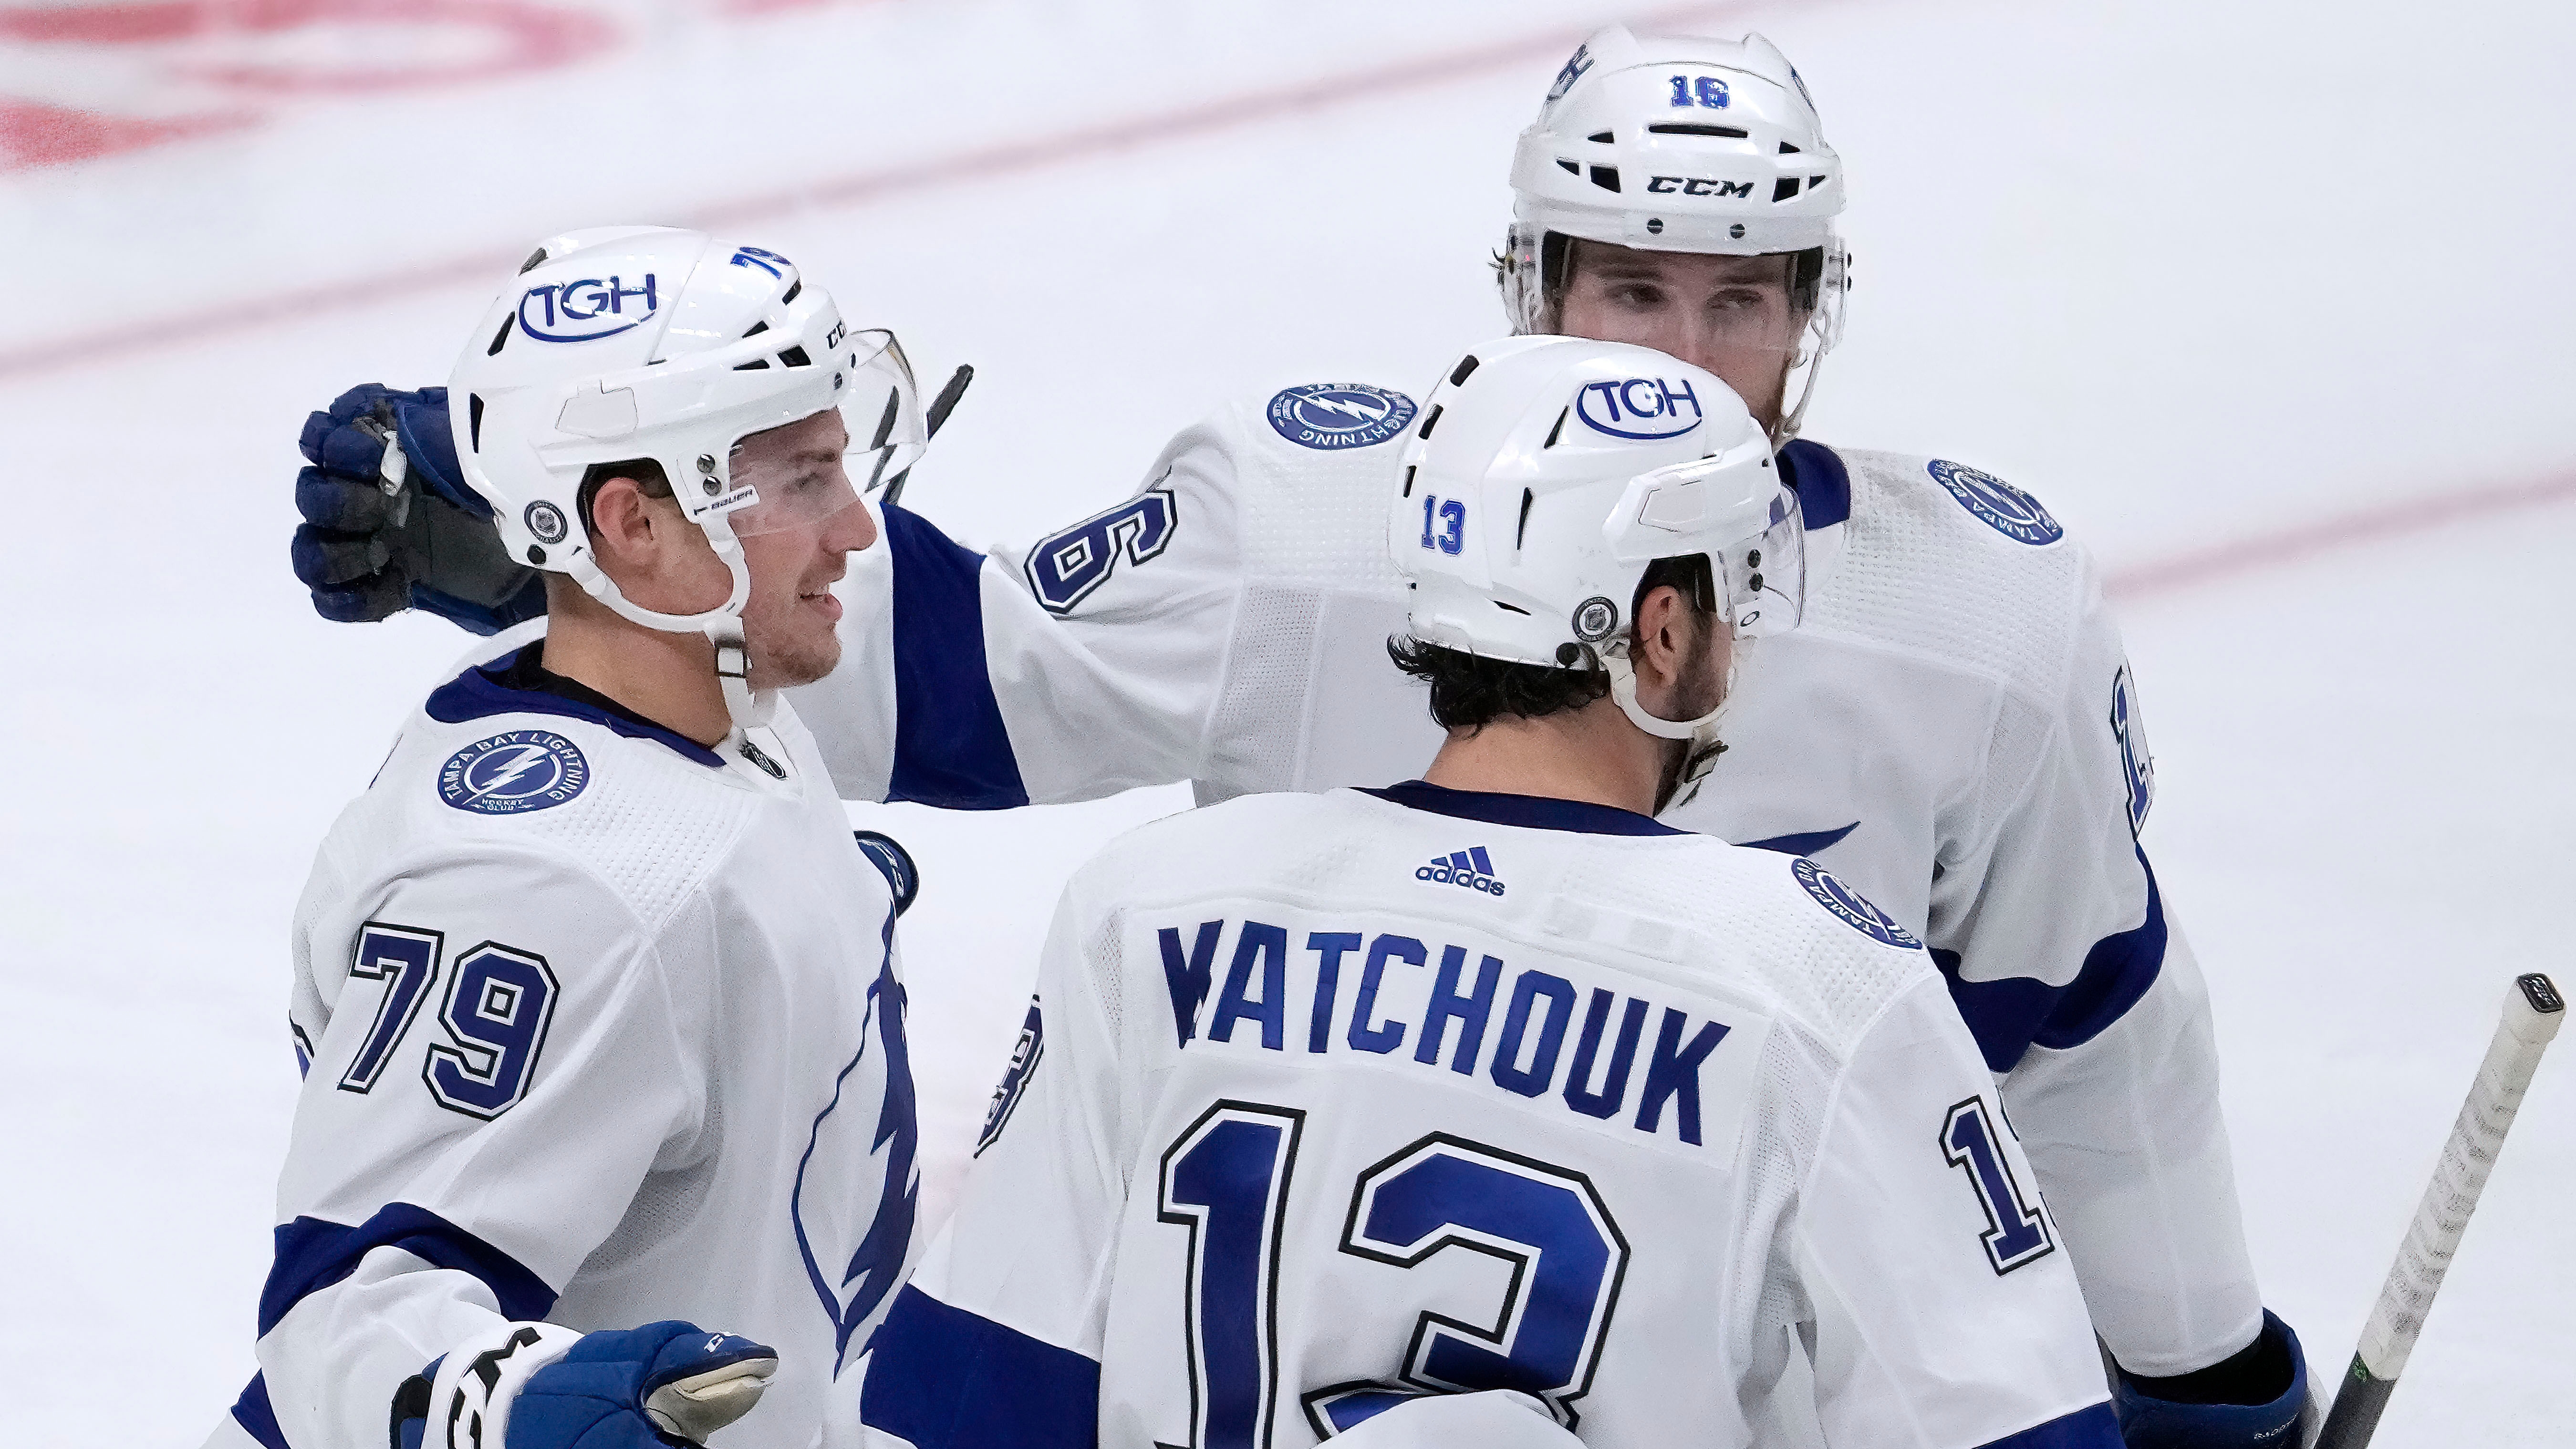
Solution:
(2091, 1427)
(257, 1419)
(950, 747)
(944, 1378)
(2010, 1016)
(313, 1254)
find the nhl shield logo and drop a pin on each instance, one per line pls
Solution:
(514, 772)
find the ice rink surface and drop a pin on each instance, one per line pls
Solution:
(2194, 274)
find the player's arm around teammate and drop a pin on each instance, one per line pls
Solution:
(599, 999)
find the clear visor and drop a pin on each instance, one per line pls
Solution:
(883, 406)
(1764, 578)
(806, 477)
(1760, 571)
(1750, 316)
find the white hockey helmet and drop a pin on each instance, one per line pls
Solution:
(632, 342)
(1681, 144)
(1548, 472)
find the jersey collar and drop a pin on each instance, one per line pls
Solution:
(1821, 482)
(1531, 812)
(478, 693)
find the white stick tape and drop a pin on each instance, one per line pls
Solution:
(2532, 1013)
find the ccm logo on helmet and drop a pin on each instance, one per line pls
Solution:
(1700, 186)
(587, 310)
(1641, 408)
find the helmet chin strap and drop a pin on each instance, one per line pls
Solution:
(1790, 421)
(1701, 732)
(749, 708)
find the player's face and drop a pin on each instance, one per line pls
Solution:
(790, 621)
(1731, 315)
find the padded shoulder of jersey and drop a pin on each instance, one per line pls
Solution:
(646, 822)
(1821, 953)
(1946, 563)
(1310, 467)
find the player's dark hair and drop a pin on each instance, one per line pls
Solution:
(1469, 691)
(647, 473)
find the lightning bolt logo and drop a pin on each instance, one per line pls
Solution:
(1334, 415)
(1361, 413)
(511, 773)
(529, 757)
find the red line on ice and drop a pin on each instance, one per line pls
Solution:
(2218, 562)
(1185, 123)
(2280, 548)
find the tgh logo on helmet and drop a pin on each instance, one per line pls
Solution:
(1642, 409)
(587, 310)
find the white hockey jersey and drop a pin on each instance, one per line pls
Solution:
(602, 1027)
(1334, 1099)
(1952, 729)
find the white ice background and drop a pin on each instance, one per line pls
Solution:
(2192, 273)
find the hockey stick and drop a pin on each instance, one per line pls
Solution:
(940, 407)
(2532, 1013)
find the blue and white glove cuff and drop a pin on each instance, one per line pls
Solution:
(471, 1394)
(2209, 1409)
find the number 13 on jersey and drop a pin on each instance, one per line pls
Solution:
(1228, 1178)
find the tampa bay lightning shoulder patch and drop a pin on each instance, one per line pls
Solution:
(1999, 505)
(514, 772)
(1849, 906)
(1331, 416)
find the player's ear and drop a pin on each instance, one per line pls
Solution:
(624, 526)
(1664, 634)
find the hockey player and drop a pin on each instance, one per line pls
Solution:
(1955, 730)
(1588, 1109)
(597, 996)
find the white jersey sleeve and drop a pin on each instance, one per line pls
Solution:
(1953, 729)
(2066, 960)
(1901, 1325)
(1226, 624)
(424, 1216)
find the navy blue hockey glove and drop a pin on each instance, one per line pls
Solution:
(2256, 1399)
(394, 528)
(538, 1386)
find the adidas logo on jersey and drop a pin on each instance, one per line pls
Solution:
(1470, 868)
